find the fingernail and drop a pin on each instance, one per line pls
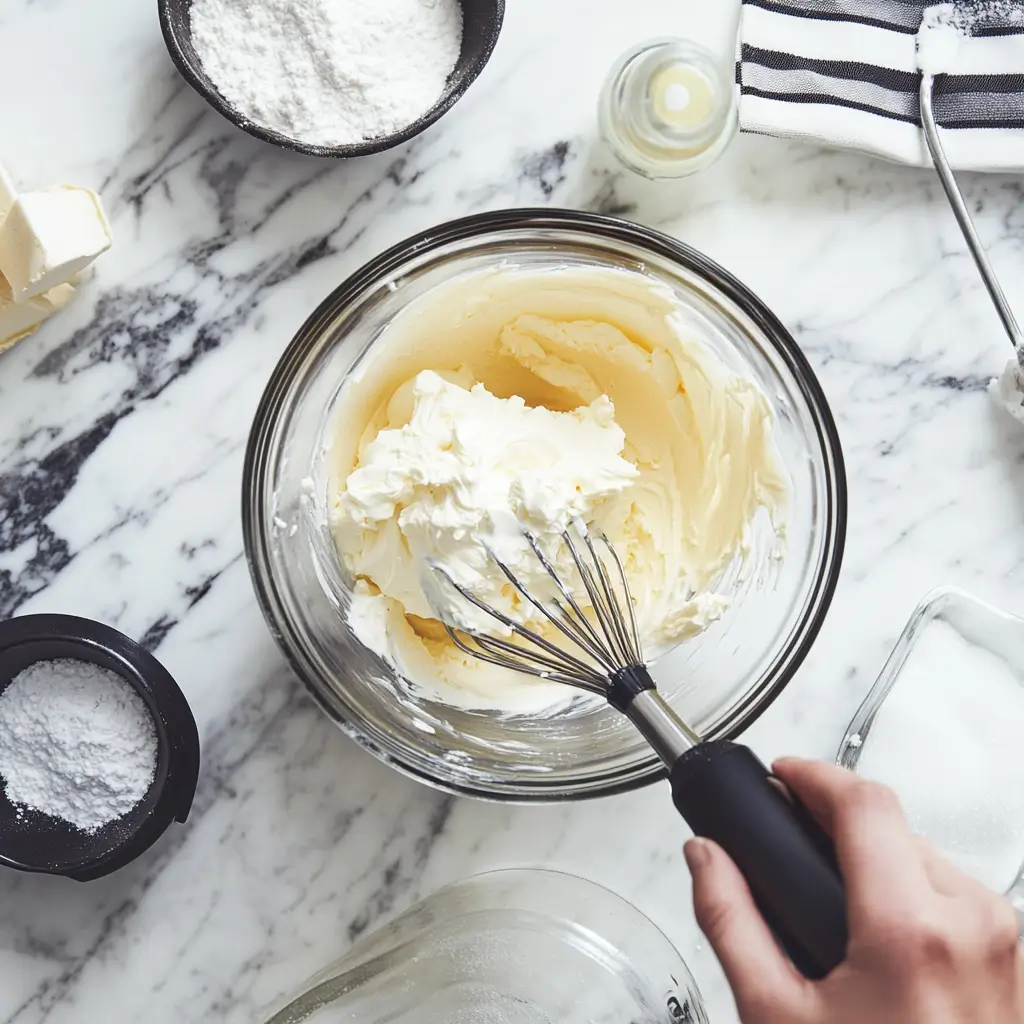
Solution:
(696, 852)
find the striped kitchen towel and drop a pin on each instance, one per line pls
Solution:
(844, 73)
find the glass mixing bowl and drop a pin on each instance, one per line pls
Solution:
(719, 681)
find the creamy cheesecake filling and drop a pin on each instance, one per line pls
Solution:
(639, 429)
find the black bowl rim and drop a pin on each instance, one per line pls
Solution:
(613, 228)
(370, 146)
(171, 707)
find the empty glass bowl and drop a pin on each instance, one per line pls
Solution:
(719, 681)
(508, 947)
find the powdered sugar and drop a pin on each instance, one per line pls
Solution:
(938, 40)
(945, 27)
(974, 15)
(76, 742)
(1008, 389)
(329, 72)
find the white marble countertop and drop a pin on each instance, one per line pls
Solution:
(123, 422)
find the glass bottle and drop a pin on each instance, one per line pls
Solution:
(668, 108)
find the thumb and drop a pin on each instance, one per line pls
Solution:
(766, 986)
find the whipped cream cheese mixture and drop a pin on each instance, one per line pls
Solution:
(521, 398)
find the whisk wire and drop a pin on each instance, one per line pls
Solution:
(567, 664)
(520, 630)
(605, 615)
(618, 618)
(605, 640)
(595, 684)
(630, 613)
(587, 639)
(595, 646)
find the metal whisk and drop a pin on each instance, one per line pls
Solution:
(605, 655)
(721, 788)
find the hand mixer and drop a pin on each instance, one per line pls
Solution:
(720, 788)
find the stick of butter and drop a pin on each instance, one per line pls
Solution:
(50, 235)
(8, 193)
(18, 320)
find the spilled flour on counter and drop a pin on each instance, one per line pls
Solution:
(329, 72)
(947, 739)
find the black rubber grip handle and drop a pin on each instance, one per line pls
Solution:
(726, 794)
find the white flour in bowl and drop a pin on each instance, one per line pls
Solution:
(76, 742)
(329, 72)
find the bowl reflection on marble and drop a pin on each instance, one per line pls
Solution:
(719, 681)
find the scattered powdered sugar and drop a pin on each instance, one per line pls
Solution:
(944, 27)
(979, 14)
(329, 72)
(938, 40)
(76, 742)
(1008, 389)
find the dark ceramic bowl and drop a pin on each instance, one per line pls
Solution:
(30, 841)
(481, 24)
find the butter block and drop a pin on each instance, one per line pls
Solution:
(18, 320)
(50, 235)
(8, 193)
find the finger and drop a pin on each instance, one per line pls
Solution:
(1018, 997)
(1020, 977)
(877, 852)
(765, 984)
(944, 876)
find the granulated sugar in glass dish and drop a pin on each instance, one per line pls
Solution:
(76, 742)
(947, 739)
(329, 72)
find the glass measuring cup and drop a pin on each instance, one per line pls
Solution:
(507, 947)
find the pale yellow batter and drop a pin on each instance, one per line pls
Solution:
(700, 437)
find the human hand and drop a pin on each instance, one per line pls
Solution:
(928, 944)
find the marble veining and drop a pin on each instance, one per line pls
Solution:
(123, 423)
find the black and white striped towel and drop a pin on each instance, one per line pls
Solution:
(844, 73)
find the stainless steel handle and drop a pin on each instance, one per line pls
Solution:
(666, 732)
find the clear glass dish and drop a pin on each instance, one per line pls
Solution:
(719, 681)
(942, 725)
(509, 947)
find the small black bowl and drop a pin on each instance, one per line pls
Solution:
(481, 23)
(30, 841)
